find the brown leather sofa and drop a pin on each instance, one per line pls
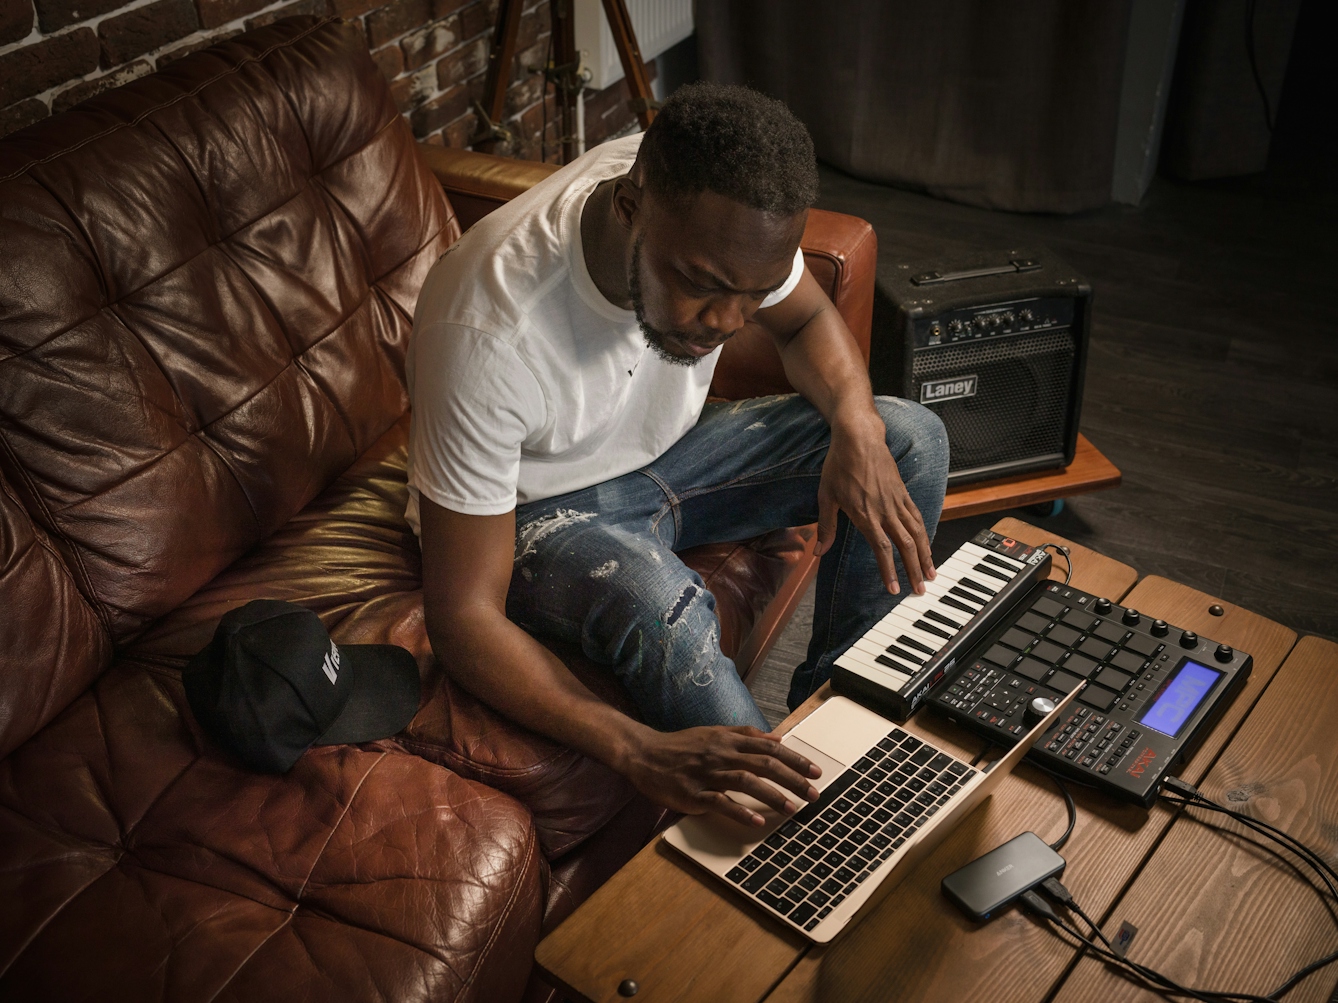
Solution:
(207, 279)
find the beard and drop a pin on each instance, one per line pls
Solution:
(655, 338)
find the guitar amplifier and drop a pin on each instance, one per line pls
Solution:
(996, 345)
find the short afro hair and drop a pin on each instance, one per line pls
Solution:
(735, 142)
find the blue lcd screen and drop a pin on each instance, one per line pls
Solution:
(1179, 698)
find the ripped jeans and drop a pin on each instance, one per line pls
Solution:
(599, 566)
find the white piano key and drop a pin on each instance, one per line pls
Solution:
(956, 567)
(894, 628)
(856, 656)
(874, 673)
(981, 552)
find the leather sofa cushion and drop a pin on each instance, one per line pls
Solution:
(350, 557)
(219, 266)
(141, 863)
(51, 642)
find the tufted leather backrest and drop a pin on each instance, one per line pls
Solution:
(51, 643)
(207, 282)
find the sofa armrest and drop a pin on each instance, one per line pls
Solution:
(841, 251)
(477, 183)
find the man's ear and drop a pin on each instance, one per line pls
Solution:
(627, 197)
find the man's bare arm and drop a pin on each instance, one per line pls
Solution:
(823, 362)
(467, 564)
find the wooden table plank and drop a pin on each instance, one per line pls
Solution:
(1224, 911)
(1089, 471)
(660, 922)
(916, 946)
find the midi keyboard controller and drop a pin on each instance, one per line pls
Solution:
(1020, 643)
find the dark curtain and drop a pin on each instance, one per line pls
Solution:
(1010, 105)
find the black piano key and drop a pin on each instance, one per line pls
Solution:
(955, 604)
(993, 572)
(931, 629)
(892, 649)
(1000, 563)
(892, 663)
(969, 596)
(945, 620)
(911, 642)
(972, 584)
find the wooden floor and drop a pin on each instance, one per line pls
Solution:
(1212, 383)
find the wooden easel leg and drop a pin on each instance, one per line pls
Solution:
(634, 67)
(493, 105)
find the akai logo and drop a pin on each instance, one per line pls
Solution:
(1140, 764)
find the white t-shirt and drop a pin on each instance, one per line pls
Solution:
(525, 381)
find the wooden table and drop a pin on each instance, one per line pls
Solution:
(1196, 895)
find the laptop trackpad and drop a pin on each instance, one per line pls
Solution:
(831, 769)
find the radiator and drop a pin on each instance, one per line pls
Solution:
(659, 24)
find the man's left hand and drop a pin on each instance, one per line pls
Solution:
(861, 479)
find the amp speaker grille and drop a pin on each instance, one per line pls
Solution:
(1021, 404)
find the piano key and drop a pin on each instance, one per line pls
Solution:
(954, 568)
(932, 641)
(988, 555)
(968, 595)
(893, 625)
(874, 673)
(958, 605)
(930, 628)
(943, 618)
(912, 644)
(981, 587)
(904, 655)
(893, 662)
(985, 569)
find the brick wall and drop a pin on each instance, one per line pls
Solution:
(56, 53)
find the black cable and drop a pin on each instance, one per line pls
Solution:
(1186, 795)
(1159, 982)
(1194, 797)
(1316, 863)
(1068, 804)
(1250, 6)
(1068, 559)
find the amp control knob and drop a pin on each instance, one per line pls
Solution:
(1131, 617)
(1189, 639)
(1026, 315)
(1223, 653)
(1160, 628)
(954, 327)
(1101, 606)
(1037, 708)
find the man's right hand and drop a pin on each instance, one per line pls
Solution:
(690, 770)
(467, 563)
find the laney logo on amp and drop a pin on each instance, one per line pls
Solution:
(933, 391)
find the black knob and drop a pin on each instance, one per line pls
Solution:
(1189, 639)
(1223, 653)
(1131, 617)
(1160, 628)
(1037, 708)
(1026, 316)
(628, 987)
(1101, 605)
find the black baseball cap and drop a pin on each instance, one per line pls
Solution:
(271, 684)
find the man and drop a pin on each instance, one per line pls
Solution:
(561, 451)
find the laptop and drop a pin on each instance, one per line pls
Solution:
(887, 798)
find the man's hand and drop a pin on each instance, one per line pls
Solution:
(859, 476)
(690, 770)
(861, 479)
(467, 561)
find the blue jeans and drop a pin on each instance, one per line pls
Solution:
(599, 566)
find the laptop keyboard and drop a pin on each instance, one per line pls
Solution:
(808, 866)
